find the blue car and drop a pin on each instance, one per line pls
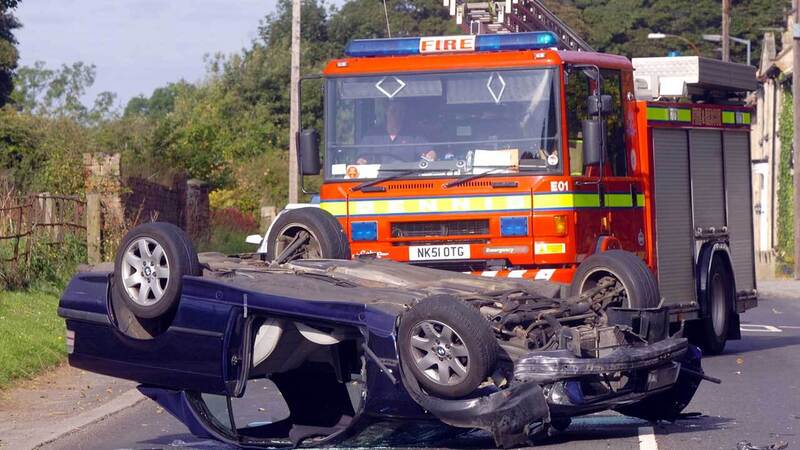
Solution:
(348, 345)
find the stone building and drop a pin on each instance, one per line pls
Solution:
(774, 74)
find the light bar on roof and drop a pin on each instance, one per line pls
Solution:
(451, 44)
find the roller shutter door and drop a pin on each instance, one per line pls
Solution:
(708, 185)
(674, 233)
(740, 207)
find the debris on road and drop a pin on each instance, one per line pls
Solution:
(744, 445)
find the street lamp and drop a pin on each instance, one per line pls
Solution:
(664, 36)
(718, 38)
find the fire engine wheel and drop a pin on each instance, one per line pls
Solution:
(447, 345)
(639, 286)
(306, 233)
(720, 301)
(149, 268)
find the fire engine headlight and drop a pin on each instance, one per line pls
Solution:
(364, 231)
(513, 226)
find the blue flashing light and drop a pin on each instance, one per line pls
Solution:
(535, 40)
(382, 47)
(513, 226)
(364, 231)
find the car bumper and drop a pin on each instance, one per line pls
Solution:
(551, 384)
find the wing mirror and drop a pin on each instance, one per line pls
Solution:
(592, 141)
(599, 104)
(308, 148)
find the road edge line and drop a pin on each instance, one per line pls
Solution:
(125, 400)
(647, 439)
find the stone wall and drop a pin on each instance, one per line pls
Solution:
(122, 203)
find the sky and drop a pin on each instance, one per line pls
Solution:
(137, 45)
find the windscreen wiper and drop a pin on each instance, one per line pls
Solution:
(469, 178)
(402, 174)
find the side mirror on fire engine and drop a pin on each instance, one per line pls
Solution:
(597, 104)
(308, 149)
(592, 141)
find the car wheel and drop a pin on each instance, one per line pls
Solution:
(306, 233)
(149, 268)
(640, 288)
(714, 328)
(447, 345)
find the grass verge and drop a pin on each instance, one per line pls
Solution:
(31, 334)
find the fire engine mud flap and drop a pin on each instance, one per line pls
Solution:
(547, 367)
(511, 415)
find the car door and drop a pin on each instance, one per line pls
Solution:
(200, 349)
(625, 218)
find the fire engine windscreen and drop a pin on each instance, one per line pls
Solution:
(443, 124)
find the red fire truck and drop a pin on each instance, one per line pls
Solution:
(503, 156)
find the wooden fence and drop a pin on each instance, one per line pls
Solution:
(37, 219)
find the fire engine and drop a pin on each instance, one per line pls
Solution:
(523, 155)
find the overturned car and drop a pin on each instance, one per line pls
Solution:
(348, 344)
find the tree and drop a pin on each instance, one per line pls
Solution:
(9, 56)
(622, 26)
(160, 103)
(60, 92)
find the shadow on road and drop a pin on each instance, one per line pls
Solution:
(752, 343)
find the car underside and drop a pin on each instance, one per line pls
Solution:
(350, 344)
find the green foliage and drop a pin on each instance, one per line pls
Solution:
(160, 103)
(786, 211)
(42, 155)
(622, 26)
(8, 51)
(49, 267)
(57, 93)
(228, 229)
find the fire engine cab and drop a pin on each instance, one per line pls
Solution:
(503, 156)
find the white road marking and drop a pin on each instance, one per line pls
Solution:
(489, 273)
(753, 328)
(647, 439)
(517, 273)
(789, 327)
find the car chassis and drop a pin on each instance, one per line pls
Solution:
(325, 332)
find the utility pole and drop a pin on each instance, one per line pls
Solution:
(294, 107)
(796, 140)
(726, 30)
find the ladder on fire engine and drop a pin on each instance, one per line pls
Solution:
(513, 16)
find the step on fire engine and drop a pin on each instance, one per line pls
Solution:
(526, 155)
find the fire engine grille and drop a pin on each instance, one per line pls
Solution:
(440, 229)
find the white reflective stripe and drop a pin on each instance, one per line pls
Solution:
(489, 273)
(517, 273)
(545, 274)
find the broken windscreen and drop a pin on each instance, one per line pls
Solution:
(502, 121)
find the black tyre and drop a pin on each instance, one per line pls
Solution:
(668, 404)
(640, 286)
(447, 345)
(314, 234)
(149, 268)
(720, 299)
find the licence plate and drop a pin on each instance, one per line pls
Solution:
(438, 252)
